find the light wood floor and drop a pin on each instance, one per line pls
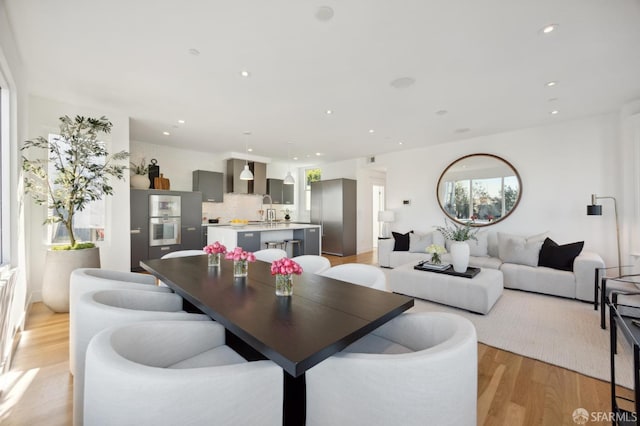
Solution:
(512, 389)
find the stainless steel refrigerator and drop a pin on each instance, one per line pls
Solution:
(333, 206)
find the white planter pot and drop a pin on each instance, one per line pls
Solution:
(58, 266)
(460, 256)
(140, 182)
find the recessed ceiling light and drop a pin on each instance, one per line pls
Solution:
(245, 73)
(318, 154)
(324, 13)
(194, 52)
(166, 133)
(329, 111)
(181, 121)
(463, 130)
(295, 158)
(403, 82)
(250, 149)
(442, 112)
(400, 143)
(549, 28)
(551, 83)
(371, 131)
(554, 112)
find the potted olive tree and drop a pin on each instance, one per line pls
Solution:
(74, 172)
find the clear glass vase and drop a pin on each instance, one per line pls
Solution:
(213, 260)
(240, 268)
(284, 284)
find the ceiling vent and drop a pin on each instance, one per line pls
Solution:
(371, 160)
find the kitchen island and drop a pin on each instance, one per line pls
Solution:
(253, 237)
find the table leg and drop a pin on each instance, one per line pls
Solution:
(295, 400)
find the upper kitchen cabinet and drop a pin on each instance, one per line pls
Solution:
(256, 186)
(274, 189)
(210, 184)
(279, 192)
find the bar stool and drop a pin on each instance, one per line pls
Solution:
(275, 244)
(295, 244)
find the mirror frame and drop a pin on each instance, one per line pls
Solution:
(515, 171)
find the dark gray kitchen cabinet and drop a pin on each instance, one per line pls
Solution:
(310, 240)
(287, 194)
(191, 221)
(210, 184)
(139, 205)
(274, 189)
(249, 241)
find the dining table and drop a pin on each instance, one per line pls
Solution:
(322, 317)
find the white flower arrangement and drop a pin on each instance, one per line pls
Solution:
(435, 251)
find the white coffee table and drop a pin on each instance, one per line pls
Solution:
(477, 294)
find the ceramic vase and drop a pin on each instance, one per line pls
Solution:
(460, 256)
(58, 265)
(140, 182)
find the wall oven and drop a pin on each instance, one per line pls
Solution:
(164, 220)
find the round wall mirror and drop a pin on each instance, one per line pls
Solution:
(479, 189)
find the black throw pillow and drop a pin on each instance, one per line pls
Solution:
(557, 256)
(401, 241)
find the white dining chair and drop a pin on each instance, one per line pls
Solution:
(313, 264)
(358, 273)
(417, 369)
(98, 310)
(269, 255)
(183, 253)
(84, 280)
(177, 373)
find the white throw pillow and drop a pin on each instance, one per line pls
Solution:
(418, 243)
(477, 248)
(509, 242)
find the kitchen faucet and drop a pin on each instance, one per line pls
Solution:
(271, 213)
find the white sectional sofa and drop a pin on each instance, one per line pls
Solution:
(521, 275)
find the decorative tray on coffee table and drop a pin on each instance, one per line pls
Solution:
(448, 270)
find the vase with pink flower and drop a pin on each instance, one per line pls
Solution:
(214, 253)
(284, 269)
(241, 261)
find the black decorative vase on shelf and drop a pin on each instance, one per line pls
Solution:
(154, 172)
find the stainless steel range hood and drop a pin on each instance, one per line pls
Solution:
(256, 186)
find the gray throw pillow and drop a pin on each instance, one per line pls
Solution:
(503, 239)
(522, 253)
(478, 247)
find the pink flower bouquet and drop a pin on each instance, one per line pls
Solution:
(285, 266)
(238, 254)
(215, 248)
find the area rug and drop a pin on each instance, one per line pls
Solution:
(559, 331)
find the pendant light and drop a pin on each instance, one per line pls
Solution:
(246, 173)
(288, 179)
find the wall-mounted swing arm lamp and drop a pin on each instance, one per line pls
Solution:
(596, 210)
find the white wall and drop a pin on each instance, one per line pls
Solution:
(560, 166)
(115, 249)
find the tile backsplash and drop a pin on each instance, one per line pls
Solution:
(241, 206)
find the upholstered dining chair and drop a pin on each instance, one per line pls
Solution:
(358, 273)
(183, 253)
(269, 255)
(84, 280)
(97, 310)
(177, 373)
(313, 264)
(417, 369)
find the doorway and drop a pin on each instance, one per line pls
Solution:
(376, 206)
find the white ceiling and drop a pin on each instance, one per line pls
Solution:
(486, 63)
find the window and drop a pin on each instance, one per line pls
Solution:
(88, 224)
(481, 200)
(312, 175)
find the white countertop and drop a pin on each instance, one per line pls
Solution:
(278, 226)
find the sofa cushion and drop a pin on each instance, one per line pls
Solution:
(401, 241)
(507, 242)
(478, 247)
(557, 256)
(418, 243)
(540, 279)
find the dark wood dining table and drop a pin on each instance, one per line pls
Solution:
(322, 317)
